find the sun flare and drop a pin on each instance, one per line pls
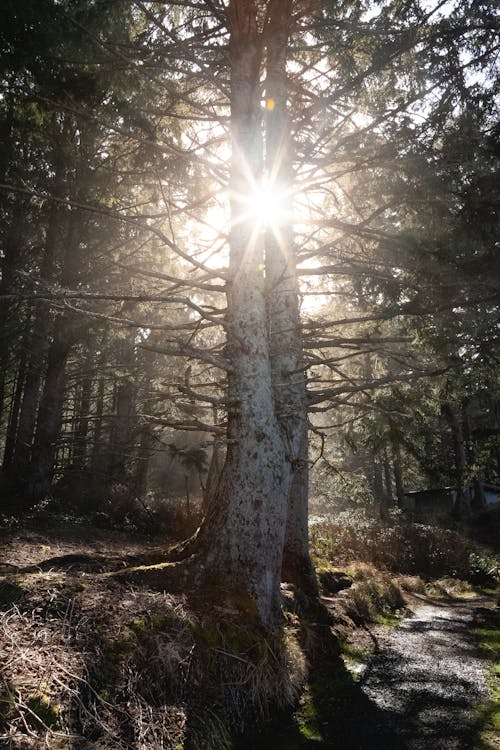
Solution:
(268, 206)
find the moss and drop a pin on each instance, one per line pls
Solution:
(116, 652)
(163, 623)
(307, 718)
(137, 570)
(44, 709)
(138, 625)
(206, 636)
(490, 591)
(118, 648)
(488, 713)
(209, 732)
(389, 619)
(355, 659)
(246, 640)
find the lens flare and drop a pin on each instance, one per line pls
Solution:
(267, 206)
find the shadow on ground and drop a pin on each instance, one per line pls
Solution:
(420, 691)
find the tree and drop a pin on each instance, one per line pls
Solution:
(364, 106)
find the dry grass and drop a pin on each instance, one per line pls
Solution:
(69, 676)
(89, 663)
(399, 546)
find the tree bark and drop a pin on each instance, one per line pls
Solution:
(10, 437)
(143, 460)
(96, 461)
(38, 349)
(82, 422)
(243, 534)
(49, 420)
(39, 339)
(398, 473)
(12, 252)
(455, 422)
(214, 474)
(123, 430)
(286, 348)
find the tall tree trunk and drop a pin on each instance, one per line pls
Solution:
(123, 432)
(38, 350)
(96, 461)
(39, 339)
(388, 491)
(82, 418)
(49, 419)
(214, 475)
(377, 484)
(242, 536)
(10, 438)
(286, 348)
(398, 473)
(12, 246)
(143, 459)
(455, 423)
(214, 469)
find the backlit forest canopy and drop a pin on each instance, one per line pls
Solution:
(241, 239)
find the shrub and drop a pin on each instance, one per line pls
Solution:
(398, 545)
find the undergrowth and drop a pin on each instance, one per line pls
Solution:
(114, 667)
(403, 547)
(487, 634)
(117, 669)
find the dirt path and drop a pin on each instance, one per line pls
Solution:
(421, 688)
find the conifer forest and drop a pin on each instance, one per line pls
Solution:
(249, 371)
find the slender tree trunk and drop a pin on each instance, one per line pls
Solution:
(378, 485)
(388, 491)
(96, 462)
(286, 348)
(10, 438)
(80, 442)
(214, 475)
(242, 537)
(27, 418)
(39, 340)
(67, 330)
(188, 498)
(144, 457)
(398, 473)
(11, 258)
(49, 420)
(455, 422)
(124, 425)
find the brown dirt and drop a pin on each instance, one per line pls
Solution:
(30, 547)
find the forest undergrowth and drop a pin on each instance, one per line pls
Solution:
(91, 661)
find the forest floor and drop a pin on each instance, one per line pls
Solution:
(79, 652)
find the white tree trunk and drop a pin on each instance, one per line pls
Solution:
(243, 535)
(283, 302)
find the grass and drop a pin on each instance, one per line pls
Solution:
(487, 635)
(109, 659)
(355, 658)
(117, 665)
